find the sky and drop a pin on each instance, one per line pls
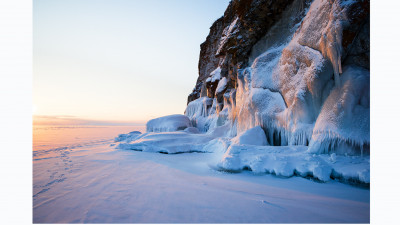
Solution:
(117, 60)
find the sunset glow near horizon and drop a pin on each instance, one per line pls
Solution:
(117, 60)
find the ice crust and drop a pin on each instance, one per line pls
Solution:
(296, 109)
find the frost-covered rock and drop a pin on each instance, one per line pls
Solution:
(168, 123)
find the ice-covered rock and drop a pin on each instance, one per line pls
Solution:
(168, 142)
(286, 73)
(188, 140)
(193, 130)
(253, 136)
(343, 124)
(199, 111)
(168, 123)
(283, 88)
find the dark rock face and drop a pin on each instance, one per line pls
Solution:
(245, 22)
(208, 61)
(356, 35)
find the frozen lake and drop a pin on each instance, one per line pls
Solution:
(78, 177)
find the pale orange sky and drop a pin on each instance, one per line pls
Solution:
(117, 60)
(71, 120)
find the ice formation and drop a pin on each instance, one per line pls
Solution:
(287, 161)
(188, 140)
(296, 102)
(168, 123)
(127, 137)
(253, 136)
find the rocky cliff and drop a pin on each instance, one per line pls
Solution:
(297, 68)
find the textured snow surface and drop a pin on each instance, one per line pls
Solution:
(168, 123)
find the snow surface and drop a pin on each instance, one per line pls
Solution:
(95, 183)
